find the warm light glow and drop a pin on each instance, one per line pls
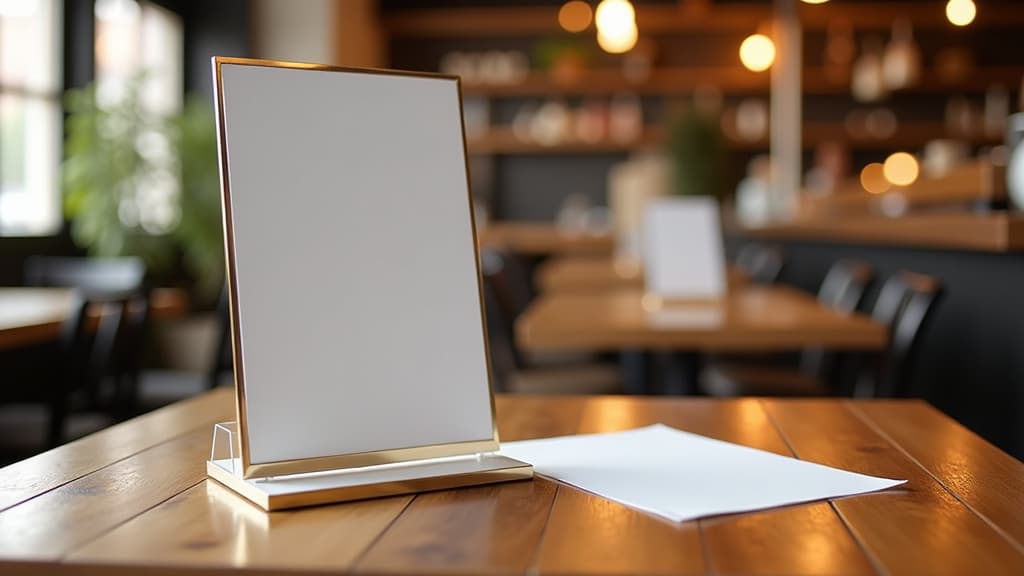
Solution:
(872, 178)
(901, 169)
(621, 41)
(814, 1)
(613, 16)
(616, 26)
(961, 12)
(575, 16)
(757, 52)
(651, 302)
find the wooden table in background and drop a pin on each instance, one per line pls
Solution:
(579, 273)
(135, 498)
(542, 239)
(34, 315)
(750, 318)
(582, 273)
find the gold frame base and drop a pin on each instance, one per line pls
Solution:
(491, 469)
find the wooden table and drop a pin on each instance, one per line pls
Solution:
(542, 239)
(586, 273)
(34, 315)
(576, 273)
(750, 318)
(134, 497)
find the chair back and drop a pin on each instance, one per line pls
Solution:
(921, 296)
(223, 359)
(844, 286)
(505, 359)
(91, 275)
(89, 350)
(109, 349)
(905, 304)
(842, 290)
(763, 264)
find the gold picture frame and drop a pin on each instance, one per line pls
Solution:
(249, 469)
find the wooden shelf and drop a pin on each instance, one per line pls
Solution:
(672, 19)
(501, 140)
(993, 232)
(733, 80)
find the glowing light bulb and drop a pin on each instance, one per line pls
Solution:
(901, 169)
(961, 12)
(619, 42)
(613, 15)
(616, 26)
(575, 16)
(757, 52)
(814, 1)
(872, 178)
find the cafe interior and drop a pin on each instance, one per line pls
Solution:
(863, 159)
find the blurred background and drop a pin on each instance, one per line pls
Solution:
(857, 141)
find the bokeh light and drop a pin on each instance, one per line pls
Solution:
(622, 41)
(961, 12)
(757, 52)
(575, 16)
(616, 26)
(872, 178)
(614, 15)
(901, 169)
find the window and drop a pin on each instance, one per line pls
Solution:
(30, 117)
(140, 45)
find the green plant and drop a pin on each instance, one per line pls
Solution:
(141, 184)
(697, 151)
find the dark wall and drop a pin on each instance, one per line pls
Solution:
(972, 354)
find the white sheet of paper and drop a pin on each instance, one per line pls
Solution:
(683, 476)
(683, 254)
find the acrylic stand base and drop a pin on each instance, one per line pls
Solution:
(281, 492)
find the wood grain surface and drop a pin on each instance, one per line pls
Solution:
(748, 318)
(135, 498)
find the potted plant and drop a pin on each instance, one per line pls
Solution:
(137, 183)
(141, 184)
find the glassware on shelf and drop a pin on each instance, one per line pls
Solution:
(626, 118)
(942, 155)
(552, 124)
(752, 119)
(1015, 164)
(901, 63)
(867, 81)
(997, 110)
(591, 125)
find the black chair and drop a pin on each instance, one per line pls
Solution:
(117, 286)
(763, 264)
(842, 290)
(906, 303)
(223, 360)
(155, 388)
(105, 276)
(515, 371)
(88, 357)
